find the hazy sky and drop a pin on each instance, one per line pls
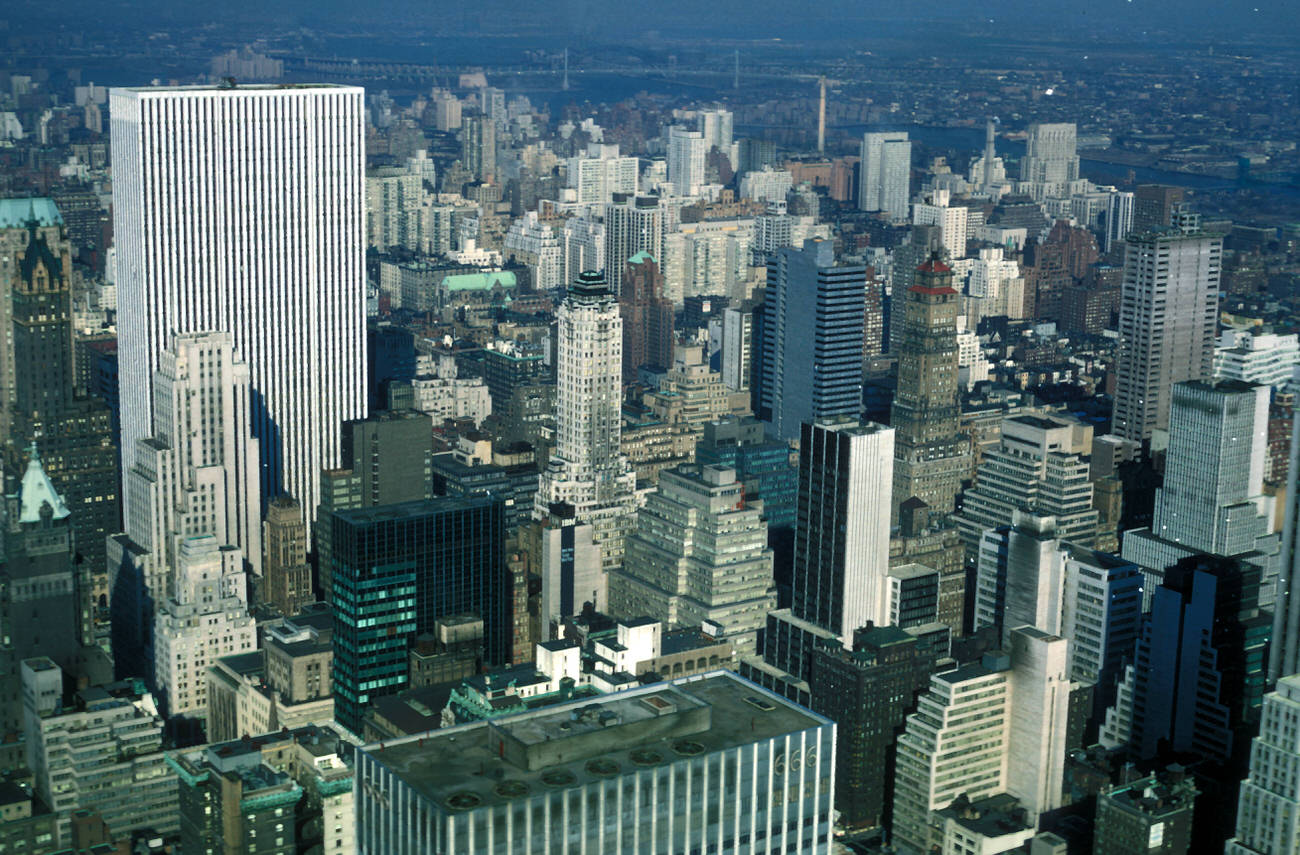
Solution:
(618, 20)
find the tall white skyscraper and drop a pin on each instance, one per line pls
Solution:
(1212, 498)
(1169, 304)
(1268, 809)
(686, 153)
(846, 469)
(588, 470)
(242, 209)
(886, 174)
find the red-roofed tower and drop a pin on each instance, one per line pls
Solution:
(930, 459)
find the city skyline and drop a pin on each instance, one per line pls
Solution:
(852, 429)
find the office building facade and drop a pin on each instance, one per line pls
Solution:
(699, 555)
(41, 399)
(1040, 464)
(633, 224)
(100, 750)
(1197, 682)
(1051, 160)
(565, 555)
(709, 762)
(762, 464)
(811, 343)
(1268, 811)
(195, 474)
(286, 576)
(841, 533)
(396, 570)
(647, 317)
(886, 165)
(204, 619)
(686, 153)
(387, 459)
(1213, 491)
(1212, 501)
(1020, 576)
(868, 692)
(1168, 307)
(45, 609)
(1150, 815)
(994, 727)
(930, 457)
(587, 469)
(222, 225)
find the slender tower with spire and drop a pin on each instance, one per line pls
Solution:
(588, 470)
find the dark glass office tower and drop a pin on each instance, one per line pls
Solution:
(395, 570)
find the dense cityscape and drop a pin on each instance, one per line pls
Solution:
(566, 429)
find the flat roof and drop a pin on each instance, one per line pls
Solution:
(676, 641)
(238, 88)
(571, 744)
(911, 570)
(1038, 421)
(1104, 560)
(413, 509)
(973, 671)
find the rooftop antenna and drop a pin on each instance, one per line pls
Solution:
(735, 82)
(565, 84)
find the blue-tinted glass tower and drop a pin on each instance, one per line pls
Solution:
(811, 334)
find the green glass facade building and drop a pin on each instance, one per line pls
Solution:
(398, 568)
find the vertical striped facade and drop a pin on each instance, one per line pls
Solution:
(242, 210)
(841, 552)
(743, 796)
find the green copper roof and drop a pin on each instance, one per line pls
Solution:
(15, 213)
(641, 258)
(37, 491)
(479, 281)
